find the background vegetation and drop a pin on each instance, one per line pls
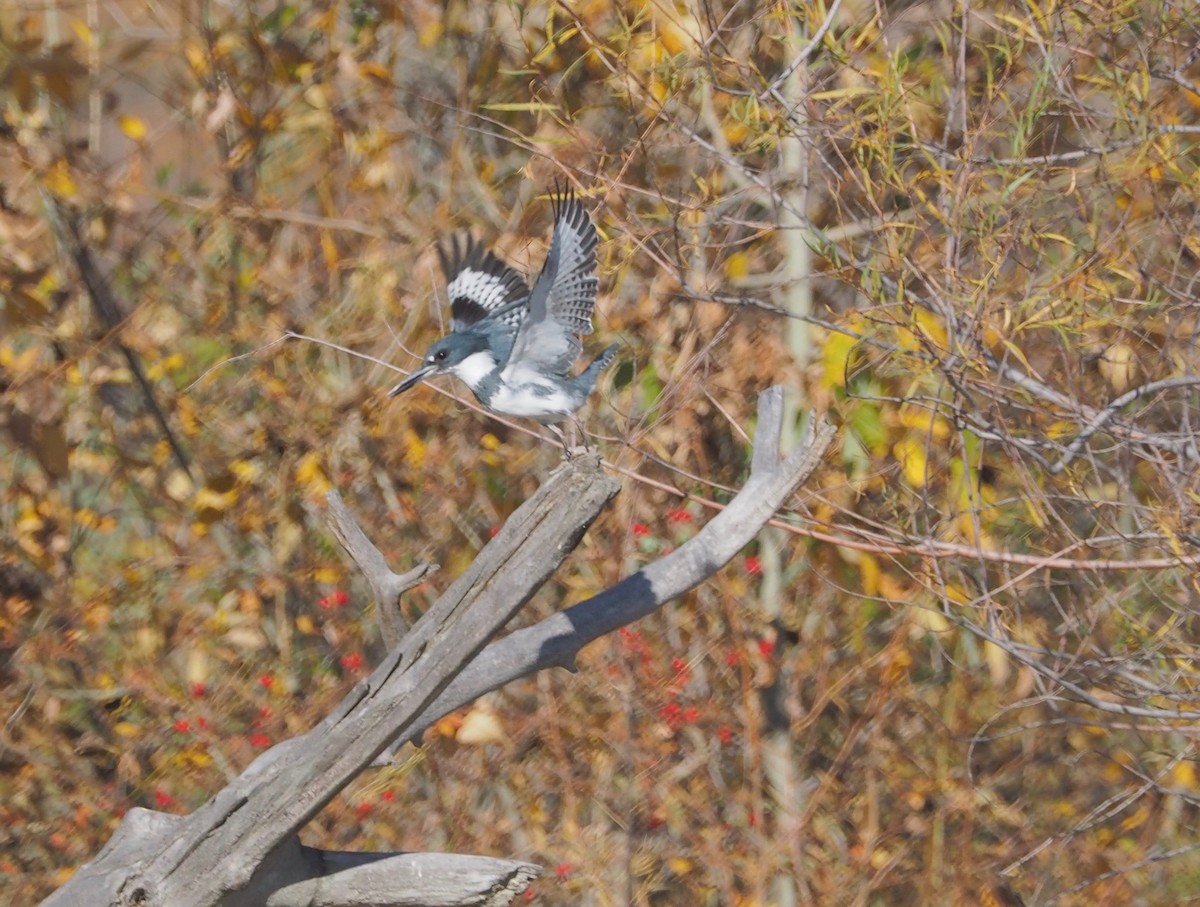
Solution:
(962, 669)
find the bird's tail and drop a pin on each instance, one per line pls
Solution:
(589, 375)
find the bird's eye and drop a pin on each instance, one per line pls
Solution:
(439, 355)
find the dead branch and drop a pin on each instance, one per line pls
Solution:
(242, 847)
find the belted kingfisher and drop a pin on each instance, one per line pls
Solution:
(512, 346)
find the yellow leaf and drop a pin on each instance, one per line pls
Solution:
(82, 32)
(1184, 775)
(907, 340)
(910, 454)
(58, 180)
(310, 474)
(930, 620)
(305, 624)
(245, 470)
(850, 91)
(868, 575)
(1058, 237)
(195, 666)
(835, 358)
(646, 54)
(193, 50)
(550, 47)
(924, 421)
(287, 539)
(677, 39)
(880, 858)
(1118, 365)
(737, 266)
(931, 326)
(893, 589)
(430, 31)
(317, 96)
(414, 449)
(134, 127)
(735, 131)
(997, 662)
(447, 726)
(1060, 428)
(376, 71)
(209, 504)
(975, 534)
(196, 758)
(87, 518)
(1021, 23)
(521, 107)
(178, 486)
(29, 522)
(896, 668)
(680, 865)
(1136, 819)
(148, 640)
(480, 726)
(328, 575)
(329, 251)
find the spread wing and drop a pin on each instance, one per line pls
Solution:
(480, 285)
(563, 296)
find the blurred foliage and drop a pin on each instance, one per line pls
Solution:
(968, 672)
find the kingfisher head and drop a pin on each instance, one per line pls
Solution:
(461, 353)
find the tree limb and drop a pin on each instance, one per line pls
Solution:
(242, 849)
(555, 641)
(228, 852)
(386, 585)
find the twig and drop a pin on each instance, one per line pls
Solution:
(1110, 411)
(805, 52)
(104, 302)
(386, 585)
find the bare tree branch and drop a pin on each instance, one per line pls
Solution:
(386, 585)
(233, 850)
(554, 642)
(104, 302)
(1106, 414)
(242, 846)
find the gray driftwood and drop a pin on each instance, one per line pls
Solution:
(242, 847)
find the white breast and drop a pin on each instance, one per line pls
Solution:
(472, 370)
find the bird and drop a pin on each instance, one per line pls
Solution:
(513, 346)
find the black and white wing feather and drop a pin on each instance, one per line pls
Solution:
(480, 285)
(564, 294)
(573, 291)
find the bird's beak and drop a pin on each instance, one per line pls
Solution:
(415, 378)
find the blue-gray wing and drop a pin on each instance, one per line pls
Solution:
(564, 294)
(481, 286)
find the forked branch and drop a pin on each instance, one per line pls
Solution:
(242, 846)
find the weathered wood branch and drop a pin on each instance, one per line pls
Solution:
(555, 641)
(242, 849)
(300, 876)
(386, 585)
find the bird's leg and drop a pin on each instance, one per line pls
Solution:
(568, 443)
(582, 434)
(562, 439)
